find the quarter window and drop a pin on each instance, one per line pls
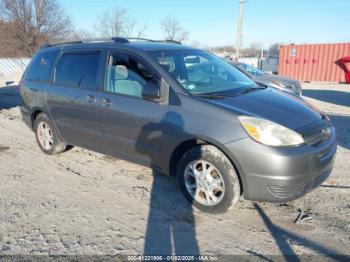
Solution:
(78, 70)
(41, 66)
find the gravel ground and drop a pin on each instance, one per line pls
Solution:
(85, 203)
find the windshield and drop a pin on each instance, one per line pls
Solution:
(200, 72)
(251, 69)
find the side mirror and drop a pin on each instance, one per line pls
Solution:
(155, 91)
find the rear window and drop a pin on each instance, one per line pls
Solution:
(78, 70)
(41, 66)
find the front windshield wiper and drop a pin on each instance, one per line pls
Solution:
(250, 89)
(212, 96)
(223, 95)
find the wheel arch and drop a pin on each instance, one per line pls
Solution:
(183, 147)
(34, 114)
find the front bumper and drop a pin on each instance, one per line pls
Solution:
(281, 174)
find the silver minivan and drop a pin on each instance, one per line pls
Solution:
(181, 111)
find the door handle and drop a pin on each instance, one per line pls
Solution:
(106, 102)
(90, 99)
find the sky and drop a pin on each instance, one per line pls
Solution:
(213, 23)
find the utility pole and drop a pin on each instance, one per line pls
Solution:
(239, 28)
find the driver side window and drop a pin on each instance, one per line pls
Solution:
(126, 75)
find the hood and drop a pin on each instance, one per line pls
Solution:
(271, 104)
(268, 77)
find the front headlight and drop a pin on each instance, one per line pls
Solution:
(280, 84)
(270, 133)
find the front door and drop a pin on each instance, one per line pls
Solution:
(131, 126)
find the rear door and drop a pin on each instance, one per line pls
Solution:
(72, 98)
(131, 126)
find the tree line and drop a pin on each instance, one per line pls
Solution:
(25, 25)
(253, 50)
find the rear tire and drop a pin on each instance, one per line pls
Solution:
(46, 136)
(208, 179)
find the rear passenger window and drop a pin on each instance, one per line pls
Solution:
(78, 70)
(40, 67)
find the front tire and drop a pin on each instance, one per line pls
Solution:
(46, 136)
(208, 179)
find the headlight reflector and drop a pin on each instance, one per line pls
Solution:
(270, 133)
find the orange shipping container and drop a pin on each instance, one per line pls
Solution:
(316, 63)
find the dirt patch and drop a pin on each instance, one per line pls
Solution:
(4, 148)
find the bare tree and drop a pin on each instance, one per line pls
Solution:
(229, 49)
(83, 33)
(37, 21)
(274, 50)
(173, 29)
(9, 44)
(132, 29)
(253, 50)
(118, 22)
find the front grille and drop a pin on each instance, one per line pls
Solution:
(294, 191)
(317, 137)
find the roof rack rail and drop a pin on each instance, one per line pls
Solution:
(141, 39)
(173, 41)
(115, 39)
(122, 40)
(86, 40)
(152, 40)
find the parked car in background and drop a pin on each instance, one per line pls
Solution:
(180, 111)
(282, 83)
